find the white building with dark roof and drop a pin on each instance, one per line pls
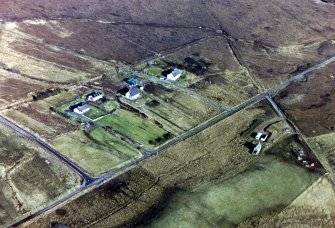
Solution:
(257, 149)
(81, 109)
(175, 74)
(94, 96)
(133, 93)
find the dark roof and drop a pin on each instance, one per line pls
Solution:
(80, 106)
(76, 105)
(83, 107)
(94, 94)
(134, 91)
(176, 72)
(132, 81)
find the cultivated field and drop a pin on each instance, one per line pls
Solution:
(30, 178)
(141, 130)
(114, 115)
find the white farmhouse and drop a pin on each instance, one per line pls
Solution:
(133, 93)
(257, 149)
(81, 109)
(175, 74)
(95, 96)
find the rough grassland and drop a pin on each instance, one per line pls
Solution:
(14, 88)
(37, 117)
(30, 178)
(314, 207)
(96, 151)
(225, 80)
(310, 103)
(324, 146)
(35, 58)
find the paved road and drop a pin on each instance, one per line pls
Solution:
(89, 181)
(301, 75)
(86, 178)
(275, 107)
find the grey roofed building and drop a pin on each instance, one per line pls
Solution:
(133, 93)
(175, 74)
(257, 149)
(82, 109)
(94, 96)
(152, 62)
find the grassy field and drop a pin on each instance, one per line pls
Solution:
(314, 207)
(94, 113)
(267, 185)
(38, 182)
(109, 105)
(96, 151)
(30, 178)
(138, 129)
(176, 111)
(63, 98)
(155, 71)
